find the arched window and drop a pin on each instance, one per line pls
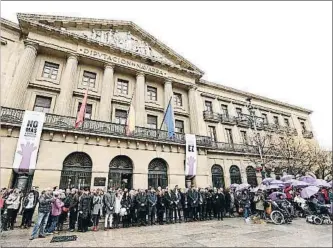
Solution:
(217, 176)
(158, 173)
(76, 171)
(235, 176)
(251, 176)
(121, 172)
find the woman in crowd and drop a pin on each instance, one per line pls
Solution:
(27, 211)
(64, 197)
(125, 208)
(13, 205)
(56, 209)
(84, 211)
(117, 207)
(97, 208)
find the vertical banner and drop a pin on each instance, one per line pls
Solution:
(191, 155)
(28, 142)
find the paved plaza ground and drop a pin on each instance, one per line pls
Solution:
(230, 232)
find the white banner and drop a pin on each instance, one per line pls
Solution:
(191, 155)
(28, 142)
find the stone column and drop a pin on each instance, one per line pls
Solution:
(168, 93)
(65, 98)
(106, 94)
(18, 87)
(197, 123)
(140, 113)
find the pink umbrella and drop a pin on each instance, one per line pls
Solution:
(309, 191)
(321, 183)
(276, 182)
(299, 184)
(287, 177)
(234, 185)
(267, 180)
(308, 179)
(275, 195)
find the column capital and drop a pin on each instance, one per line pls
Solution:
(72, 56)
(109, 66)
(140, 74)
(193, 87)
(32, 45)
(168, 81)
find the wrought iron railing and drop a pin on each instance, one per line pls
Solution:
(228, 119)
(211, 116)
(307, 134)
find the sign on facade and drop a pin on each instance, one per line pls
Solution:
(28, 143)
(191, 155)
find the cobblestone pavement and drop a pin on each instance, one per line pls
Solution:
(230, 232)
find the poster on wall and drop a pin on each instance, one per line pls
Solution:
(191, 155)
(28, 142)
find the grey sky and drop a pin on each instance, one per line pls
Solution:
(281, 50)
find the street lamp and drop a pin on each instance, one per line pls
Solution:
(252, 119)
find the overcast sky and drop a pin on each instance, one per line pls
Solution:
(281, 50)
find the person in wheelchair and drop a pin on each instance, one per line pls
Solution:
(284, 205)
(316, 207)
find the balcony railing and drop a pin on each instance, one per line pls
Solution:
(11, 116)
(243, 121)
(307, 134)
(211, 116)
(227, 119)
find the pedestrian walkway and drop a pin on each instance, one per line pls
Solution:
(230, 232)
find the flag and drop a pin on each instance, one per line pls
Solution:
(130, 121)
(82, 112)
(169, 120)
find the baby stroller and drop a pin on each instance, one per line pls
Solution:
(277, 212)
(318, 214)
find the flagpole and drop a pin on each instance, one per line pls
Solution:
(130, 105)
(158, 133)
(85, 108)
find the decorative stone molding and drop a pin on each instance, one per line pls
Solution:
(108, 141)
(33, 45)
(98, 139)
(137, 145)
(87, 139)
(75, 139)
(63, 137)
(9, 132)
(178, 149)
(140, 74)
(163, 148)
(155, 147)
(118, 143)
(109, 66)
(128, 144)
(146, 145)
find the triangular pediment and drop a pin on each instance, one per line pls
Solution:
(123, 35)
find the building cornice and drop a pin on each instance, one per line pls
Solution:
(9, 24)
(253, 96)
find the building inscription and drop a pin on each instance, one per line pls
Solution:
(121, 61)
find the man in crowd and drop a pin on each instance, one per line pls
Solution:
(142, 207)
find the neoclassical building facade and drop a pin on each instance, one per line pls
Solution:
(47, 62)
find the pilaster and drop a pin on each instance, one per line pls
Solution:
(140, 113)
(197, 123)
(106, 94)
(168, 93)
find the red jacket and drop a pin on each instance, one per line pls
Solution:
(286, 191)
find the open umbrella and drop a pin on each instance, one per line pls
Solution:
(287, 177)
(267, 180)
(309, 191)
(308, 179)
(254, 190)
(276, 182)
(234, 185)
(274, 186)
(262, 187)
(299, 184)
(243, 186)
(276, 195)
(321, 183)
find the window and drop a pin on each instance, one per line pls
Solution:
(208, 106)
(88, 110)
(239, 112)
(89, 79)
(42, 104)
(229, 136)
(212, 132)
(122, 86)
(303, 125)
(264, 116)
(121, 116)
(179, 126)
(224, 110)
(50, 70)
(152, 93)
(178, 99)
(244, 137)
(276, 120)
(152, 121)
(286, 122)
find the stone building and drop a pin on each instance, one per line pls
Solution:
(47, 62)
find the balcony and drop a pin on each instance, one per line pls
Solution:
(307, 134)
(211, 116)
(243, 121)
(14, 117)
(227, 119)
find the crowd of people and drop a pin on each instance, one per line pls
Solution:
(83, 209)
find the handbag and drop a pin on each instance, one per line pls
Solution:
(123, 212)
(64, 209)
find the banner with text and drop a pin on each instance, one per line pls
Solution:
(191, 155)
(28, 142)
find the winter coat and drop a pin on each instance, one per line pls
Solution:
(108, 202)
(177, 198)
(194, 196)
(259, 201)
(56, 208)
(287, 192)
(28, 202)
(73, 201)
(13, 201)
(97, 205)
(117, 205)
(152, 201)
(126, 203)
(168, 200)
(141, 200)
(45, 202)
(160, 203)
(85, 206)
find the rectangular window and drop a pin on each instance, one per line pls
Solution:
(303, 126)
(230, 139)
(152, 121)
(122, 86)
(88, 110)
(50, 70)
(208, 106)
(42, 104)
(276, 120)
(179, 126)
(224, 110)
(244, 137)
(264, 116)
(286, 122)
(152, 93)
(89, 79)
(212, 132)
(121, 116)
(178, 99)
(239, 112)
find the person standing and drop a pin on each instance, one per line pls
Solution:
(84, 211)
(178, 204)
(109, 201)
(160, 205)
(219, 204)
(209, 200)
(142, 207)
(44, 209)
(97, 208)
(64, 197)
(73, 209)
(117, 207)
(168, 205)
(152, 201)
(194, 196)
(133, 208)
(13, 205)
(126, 205)
(28, 208)
(185, 205)
(56, 209)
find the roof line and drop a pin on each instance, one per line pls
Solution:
(254, 96)
(10, 24)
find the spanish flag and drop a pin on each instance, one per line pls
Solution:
(82, 112)
(130, 121)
